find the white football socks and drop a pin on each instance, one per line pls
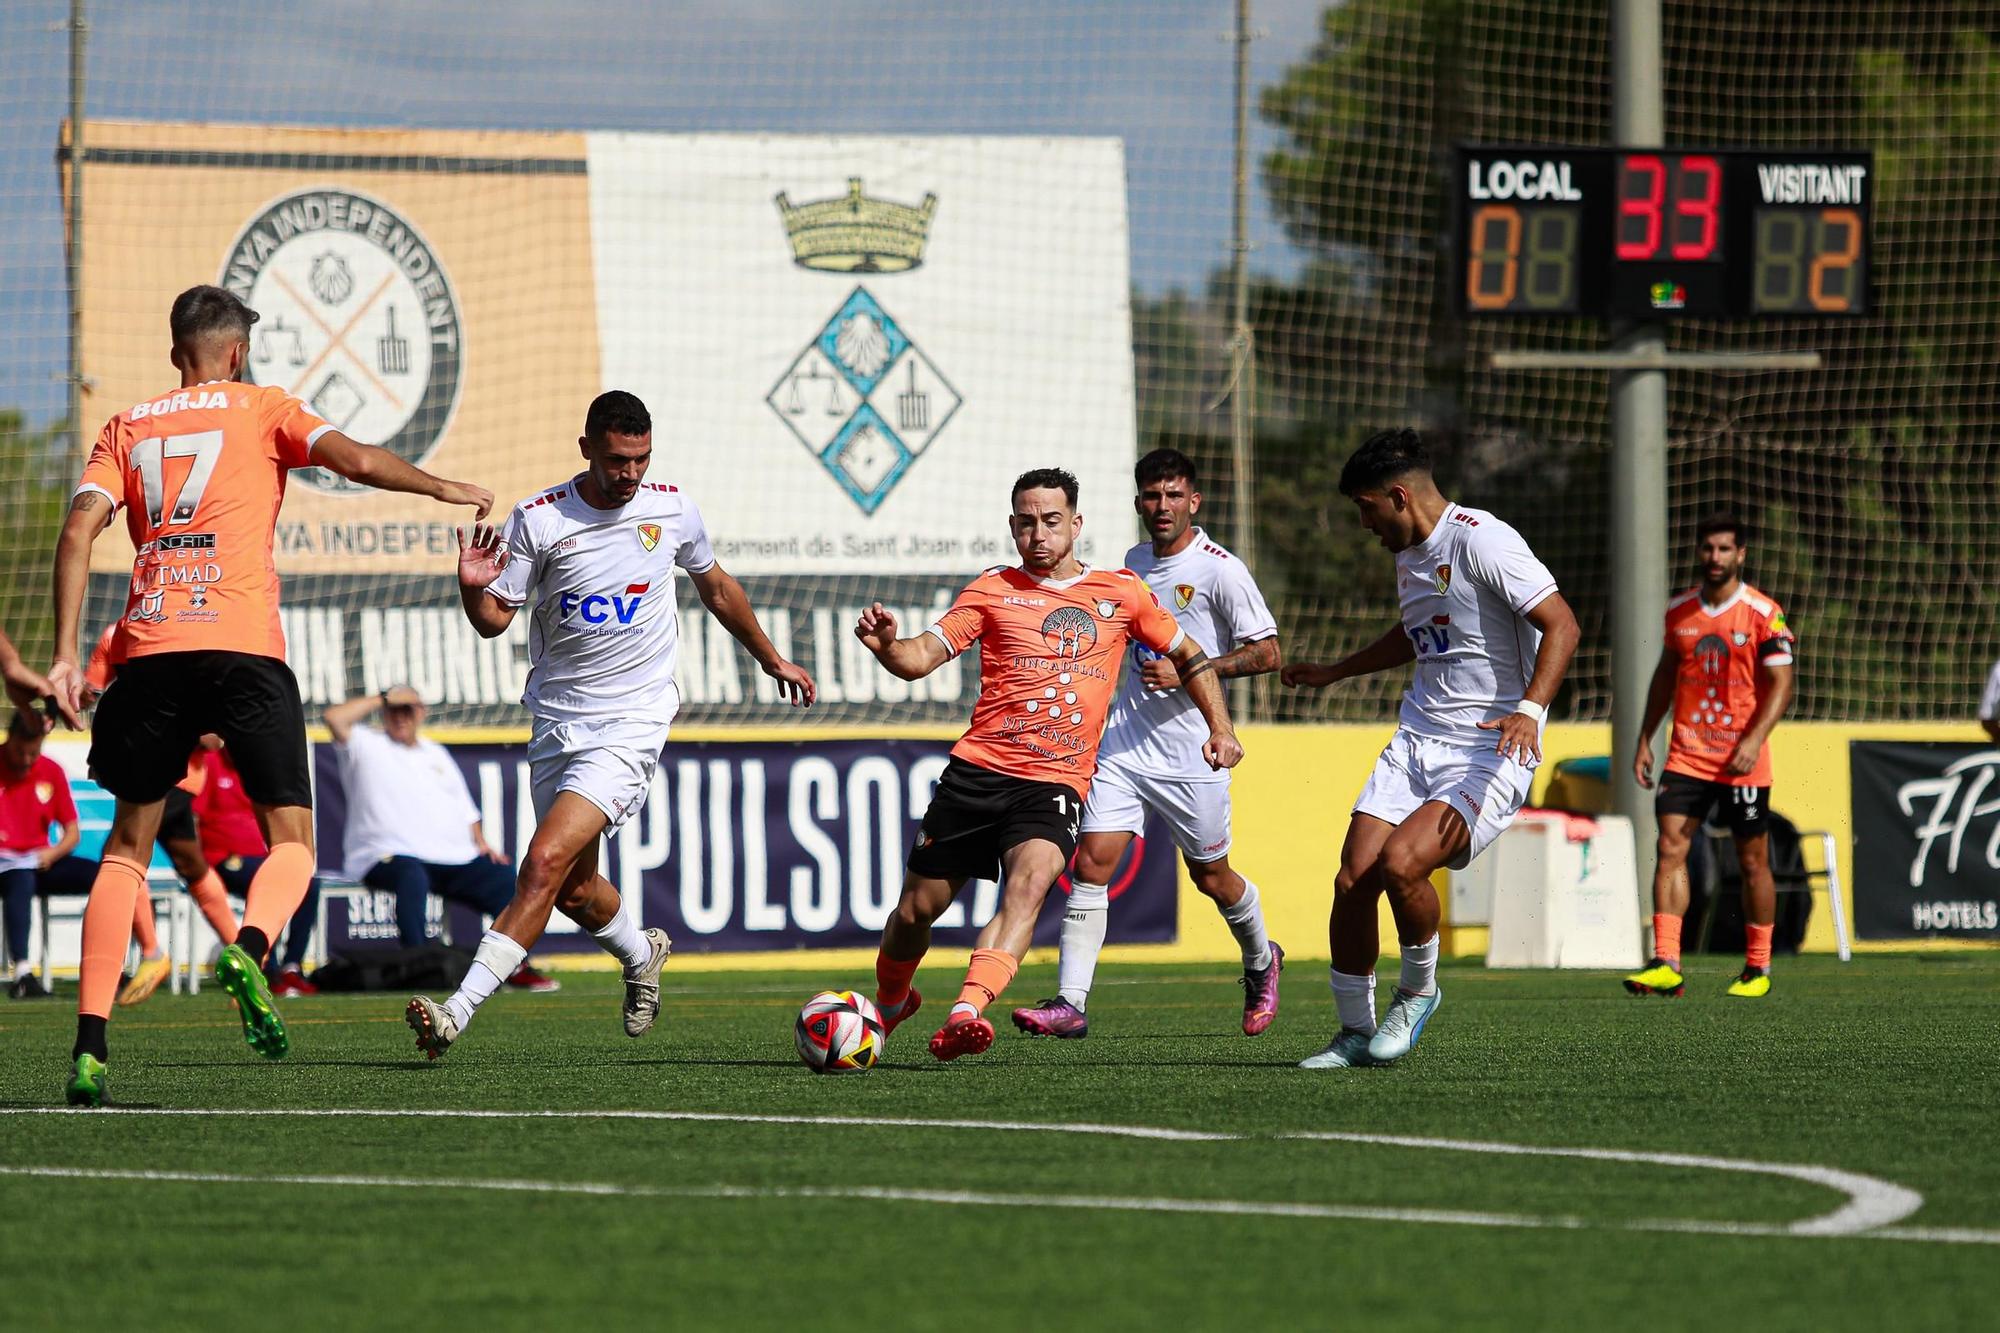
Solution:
(1083, 926)
(1420, 968)
(495, 961)
(623, 940)
(1354, 1000)
(1246, 922)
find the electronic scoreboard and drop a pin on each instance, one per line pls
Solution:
(1656, 234)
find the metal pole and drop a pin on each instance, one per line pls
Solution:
(77, 30)
(1638, 457)
(1242, 370)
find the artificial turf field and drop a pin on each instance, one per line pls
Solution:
(428, 1217)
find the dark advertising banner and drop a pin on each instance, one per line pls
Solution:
(1926, 840)
(757, 846)
(345, 639)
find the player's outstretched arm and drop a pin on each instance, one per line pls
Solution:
(1659, 698)
(368, 465)
(1204, 686)
(730, 605)
(1259, 657)
(89, 514)
(911, 659)
(481, 560)
(1392, 650)
(1521, 730)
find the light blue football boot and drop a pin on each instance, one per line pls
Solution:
(1402, 1025)
(1349, 1050)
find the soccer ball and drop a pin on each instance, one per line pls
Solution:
(839, 1032)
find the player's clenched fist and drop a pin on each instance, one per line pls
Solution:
(1223, 750)
(876, 628)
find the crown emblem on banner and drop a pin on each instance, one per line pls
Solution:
(857, 234)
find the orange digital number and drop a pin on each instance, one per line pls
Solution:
(1505, 219)
(1828, 259)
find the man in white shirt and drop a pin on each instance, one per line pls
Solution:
(1989, 705)
(595, 559)
(1491, 638)
(412, 827)
(1150, 757)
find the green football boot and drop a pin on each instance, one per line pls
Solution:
(88, 1086)
(238, 973)
(1658, 978)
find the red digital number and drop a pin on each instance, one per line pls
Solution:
(1646, 208)
(1703, 207)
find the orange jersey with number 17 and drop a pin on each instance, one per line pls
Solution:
(201, 474)
(1048, 660)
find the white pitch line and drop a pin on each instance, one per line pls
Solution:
(981, 1199)
(1872, 1203)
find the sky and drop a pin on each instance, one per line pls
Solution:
(1155, 73)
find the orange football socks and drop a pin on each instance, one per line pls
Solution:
(989, 974)
(213, 900)
(277, 890)
(1667, 939)
(144, 929)
(892, 981)
(107, 932)
(1757, 946)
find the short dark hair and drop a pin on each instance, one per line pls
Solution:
(616, 412)
(1723, 522)
(1382, 458)
(1045, 478)
(203, 312)
(1165, 465)
(22, 727)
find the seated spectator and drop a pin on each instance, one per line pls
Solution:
(412, 827)
(34, 793)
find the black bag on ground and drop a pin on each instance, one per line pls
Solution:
(1714, 874)
(424, 967)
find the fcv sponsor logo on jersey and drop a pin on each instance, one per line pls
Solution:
(604, 608)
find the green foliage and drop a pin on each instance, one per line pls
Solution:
(34, 481)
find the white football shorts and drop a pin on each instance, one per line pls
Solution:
(608, 763)
(1486, 788)
(1196, 811)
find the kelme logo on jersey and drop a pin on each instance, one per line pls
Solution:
(649, 535)
(1183, 594)
(1069, 631)
(603, 608)
(359, 319)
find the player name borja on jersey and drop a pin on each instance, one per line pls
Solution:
(1465, 593)
(1213, 596)
(1048, 657)
(201, 475)
(605, 628)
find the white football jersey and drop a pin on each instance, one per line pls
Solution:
(1465, 595)
(601, 583)
(1217, 603)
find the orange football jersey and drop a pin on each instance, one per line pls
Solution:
(201, 474)
(1719, 649)
(1048, 661)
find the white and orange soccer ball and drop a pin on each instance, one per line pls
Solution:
(839, 1032)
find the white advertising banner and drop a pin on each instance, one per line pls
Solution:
(851, 346)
